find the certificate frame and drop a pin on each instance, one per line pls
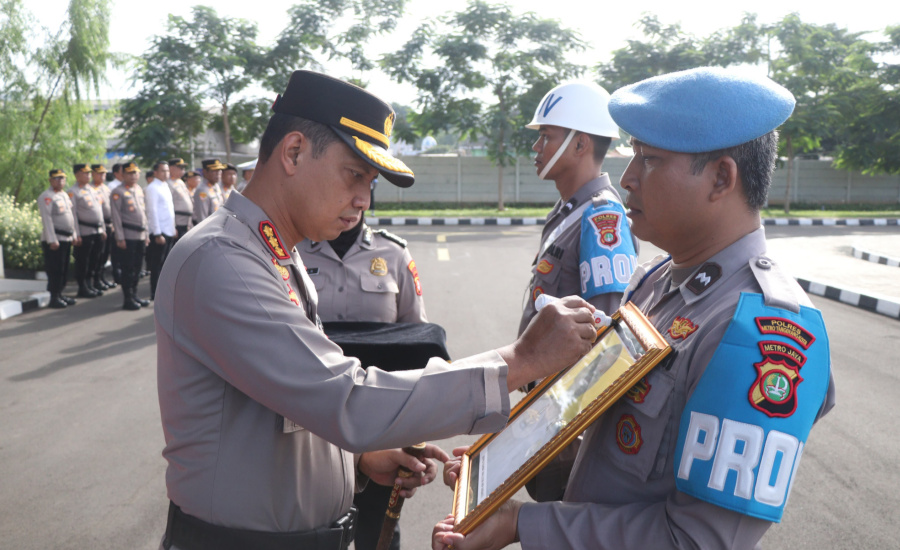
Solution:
(553, 414)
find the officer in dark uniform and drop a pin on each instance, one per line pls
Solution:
(60, 231)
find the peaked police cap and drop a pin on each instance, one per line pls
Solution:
(360, 119)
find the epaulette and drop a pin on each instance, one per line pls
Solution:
(779, 290)
(599, 199)
(391, 237)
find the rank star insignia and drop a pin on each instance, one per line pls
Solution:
(607, 226)
(270, 236)
(682, 327)
(774, 392)
(283, 271)
(378, 267)
(628, 435)
(544, 267)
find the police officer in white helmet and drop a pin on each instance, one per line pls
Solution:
(587, 248)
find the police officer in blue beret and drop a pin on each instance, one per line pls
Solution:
(703, 451)
(269, 428)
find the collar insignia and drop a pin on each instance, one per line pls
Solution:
(267, 230)
(709, 273)
(283, 271)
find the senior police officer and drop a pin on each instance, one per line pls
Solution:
(208, 195)
(129, 214)
(60, 230)
(98, 176)
(365, 275)
(229, 181)
(703, 451)
(182, 200)
(266, 422)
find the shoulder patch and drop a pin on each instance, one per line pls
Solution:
(391, 237)
(607, 256)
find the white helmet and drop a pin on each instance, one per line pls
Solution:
(581, 106)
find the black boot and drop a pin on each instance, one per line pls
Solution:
(128, 303)
(68, 300)
(98, 284)
(143, 303)
(108, 284)
(85, 291)
(56, 302)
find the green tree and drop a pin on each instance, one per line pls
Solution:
(46, 119)
(819, 65)
(667, 48)
(492, 68)
(871, 132)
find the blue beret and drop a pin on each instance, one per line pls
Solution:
(700, 110)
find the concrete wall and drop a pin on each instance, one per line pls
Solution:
(454, 179)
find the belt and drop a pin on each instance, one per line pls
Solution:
(63, 232)
(91, 225)
(184, 213)
(186, 532)
(133, 227)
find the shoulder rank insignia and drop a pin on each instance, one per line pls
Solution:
(391, 237)
(545, 267)
(774, 391)
(704, 278)
(682, 327)
(607, 227)
(283, 271)
(379, 267)
(270, 236)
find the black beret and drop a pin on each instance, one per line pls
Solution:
(362, 121)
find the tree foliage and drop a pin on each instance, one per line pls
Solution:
(46, 118)
(492, 68)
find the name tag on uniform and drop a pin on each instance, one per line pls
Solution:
(290, 426)
(312, 270)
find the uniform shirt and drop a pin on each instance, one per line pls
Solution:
(261, 411)
(207, 199)
(622, 491)
(182, 202)
(103, 193)
(376, 281)
(56, 213)
(88, 208)
(227, 192)
(561, 268)
(129, 208)
(160, 209)
(114, 183)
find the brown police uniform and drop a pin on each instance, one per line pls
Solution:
(377, 279)
(184, 206)
(207, 199)
(59, 227)
(88, 208)
(129, 215)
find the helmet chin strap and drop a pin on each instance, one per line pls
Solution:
(559, 152)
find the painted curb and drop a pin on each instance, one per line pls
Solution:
(869, 256)
(884, 306)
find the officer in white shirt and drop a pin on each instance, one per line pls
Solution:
(160, 222)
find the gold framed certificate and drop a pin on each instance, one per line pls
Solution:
(553, 414)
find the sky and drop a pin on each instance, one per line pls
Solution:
(605, 26)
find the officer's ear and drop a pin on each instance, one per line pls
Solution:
(291, 150)
(726, 180)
